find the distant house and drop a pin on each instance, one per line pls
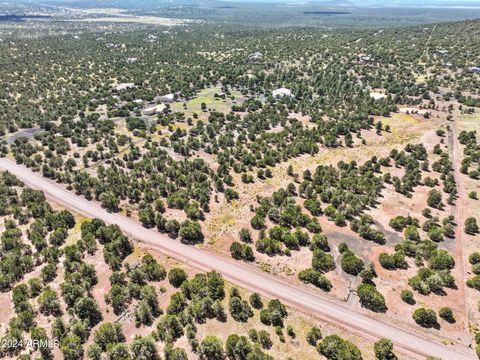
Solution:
(377, 95)
(138, 101)
(220, 95)
(124, 86)
(151, 38)
(442, 51)
(157, 109)
(365, 58)
(257, 55)
(167, 99)
(475, 69)
(281, 92)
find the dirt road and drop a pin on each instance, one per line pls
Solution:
(412, 344)
(455, 151)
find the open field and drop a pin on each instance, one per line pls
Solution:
(151, 20)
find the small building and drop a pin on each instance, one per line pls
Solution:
(156, 109)
(220, 95)
(442, 51)
(151, 38)
(257, 55)
(475, 69)
(281, 92)
(138, 101)
(124, 86)
(377, 95)
(167, 99)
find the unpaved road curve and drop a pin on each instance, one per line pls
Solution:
(415, 345)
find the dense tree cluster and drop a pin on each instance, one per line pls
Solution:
(471, 161)
(47, 230)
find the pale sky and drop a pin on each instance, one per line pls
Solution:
(382, 2)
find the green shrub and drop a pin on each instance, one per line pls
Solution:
(425, 317)
(313, 335)
(351, 263)
(371, 298)
(471, 226)
(407, 296)
(447, 314)
(315, 278)
(383, 349)
(333, 347)
(474, 282)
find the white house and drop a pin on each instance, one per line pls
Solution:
(167, 99)
(257, 55)
(281, 92)
(131, 60)
(377, 95)
(124, 86)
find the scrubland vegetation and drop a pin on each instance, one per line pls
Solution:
(362, 185)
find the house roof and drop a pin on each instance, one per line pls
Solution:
(281, 92)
